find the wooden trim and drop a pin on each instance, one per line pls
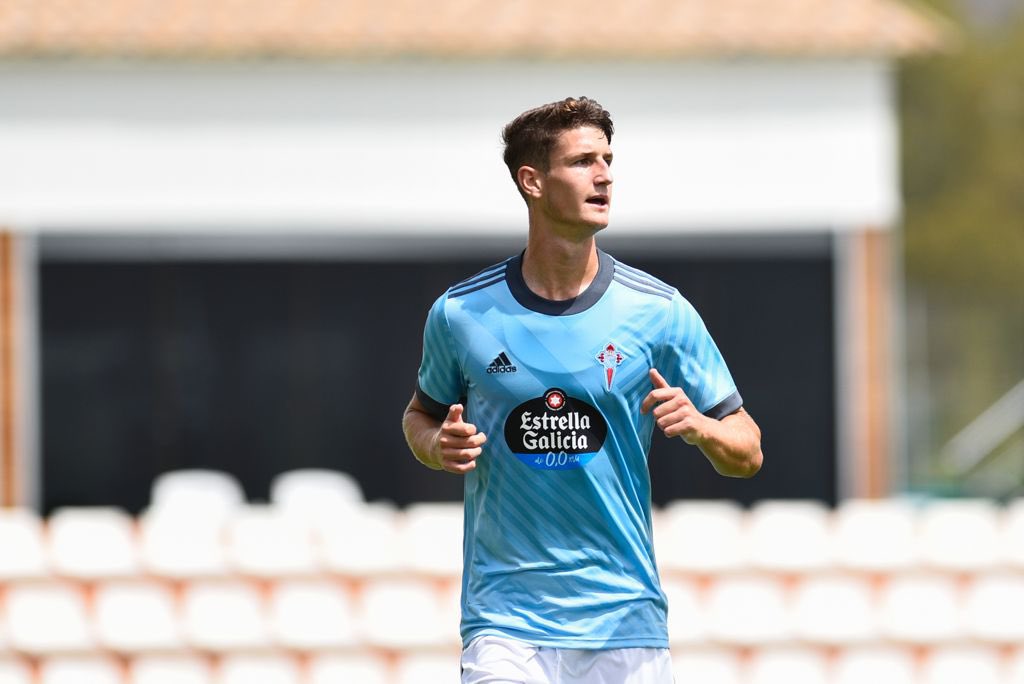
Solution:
(8, 380)
(878, 383)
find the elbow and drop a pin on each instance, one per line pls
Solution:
(752, 464)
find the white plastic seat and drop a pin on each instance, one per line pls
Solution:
(920, 609)
(431, 533)
(1011, 535)
(92, 543)
(1015, 667)
(47, 619)
(210, 494)
(336, 668)
(134, 617)
(169, 669)
(223, 616)
(962, 665)
(791, 665)
(262, 542)
(789, 536)
(874, 536)
(182, 545)
(364, 544)
(959, 535)
(748, 611)
(83, 670)
(312, 615)
(706, 667)
(834, 611)
(400, 614)
(313, 493)
(876, 665)
(15, 671)
(686, 618)
(700, 537)
(427, 668)
(258, 669)
(993, 609)
(22, 541)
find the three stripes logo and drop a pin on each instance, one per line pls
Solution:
(501, 364)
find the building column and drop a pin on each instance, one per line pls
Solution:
(868, 377)
(19, 463)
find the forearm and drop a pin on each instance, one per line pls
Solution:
(733, 445)
(422, 433)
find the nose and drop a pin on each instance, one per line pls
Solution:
(604, 173)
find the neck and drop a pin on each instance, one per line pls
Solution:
(557, 268)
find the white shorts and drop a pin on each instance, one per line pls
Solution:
(497, 660)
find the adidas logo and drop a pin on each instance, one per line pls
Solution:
(501, 364)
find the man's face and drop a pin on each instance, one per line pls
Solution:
(577, 188)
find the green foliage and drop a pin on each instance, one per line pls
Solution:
(962, 117)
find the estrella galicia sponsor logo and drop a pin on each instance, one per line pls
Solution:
(555, 431)
(501, 364)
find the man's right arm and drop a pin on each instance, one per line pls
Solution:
(450, 444)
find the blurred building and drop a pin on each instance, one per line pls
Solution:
(223, 223)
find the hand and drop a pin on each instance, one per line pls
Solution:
(675, 414)
(458, 443)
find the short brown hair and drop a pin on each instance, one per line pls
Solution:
(530, 137)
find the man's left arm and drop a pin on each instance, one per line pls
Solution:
(732, 444)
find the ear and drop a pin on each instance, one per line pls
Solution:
(531, 181)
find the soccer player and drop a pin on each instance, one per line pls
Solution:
(542, 379)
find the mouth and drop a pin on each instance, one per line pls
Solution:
(598, 200)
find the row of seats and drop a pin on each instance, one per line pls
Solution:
(959, 665)
(41, 618)
(323, 530)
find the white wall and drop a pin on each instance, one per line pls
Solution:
(396, 147)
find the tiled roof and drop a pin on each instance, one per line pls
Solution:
(465, 28)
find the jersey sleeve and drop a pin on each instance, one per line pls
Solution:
(691, 360)
(440, 382)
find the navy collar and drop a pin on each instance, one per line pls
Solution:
(565, 307)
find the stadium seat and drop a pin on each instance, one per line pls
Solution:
(788, 536)
(204, 493)
(686, 619)
(700, 537)
(1015, 667)
(223, 616)
(258, 669)
(337, 668)
(182, 545)
(47, 619)
(431, 533)
(450, 615)
(312, 615)
(920, 609)
(15, 671)
(789, 665)
(959, 535)
(262, 542)
(427, 668)
(706, 666)
(80, 670)
(313, 493)
(1011, 535)
(169, 669)
(961, 665)
(92, 543)
(874, 665)
(834, 611)
(136, 617)
(22, 541)
(364, 544)
(874, 536)
(994, 609)
(748, 611)
(399, 614)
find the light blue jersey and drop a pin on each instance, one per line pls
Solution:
(557, 547)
